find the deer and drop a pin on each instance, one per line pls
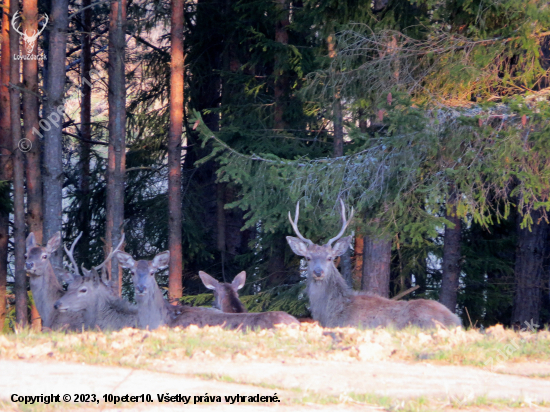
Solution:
(226, 297)
(93, 296)
(45, 285)
(334, 304)
(154, 311)
(100, 307)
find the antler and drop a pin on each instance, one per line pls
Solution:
(44, 25)
(70, 253)
(345, 223)
(295, 224)
(102, 265)
(13, 23)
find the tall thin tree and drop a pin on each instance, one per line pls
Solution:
(5, 154)
(174, 151)
(116, 163)
(85, 123)
(53, 105)
(21, 316)
(30, 122)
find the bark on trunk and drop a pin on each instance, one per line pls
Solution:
(358, 266)
(529, 271)
(85, 128)
(220, 220)
(30, 122)
(21, 317)
(174, 152)
(451, 256)
(5, 153)
(117, 133)
(376, 265)
(53, 114)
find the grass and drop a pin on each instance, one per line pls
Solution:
(132, 347)
(142, 349)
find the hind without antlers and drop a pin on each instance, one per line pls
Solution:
(334, 304)
(226, 297)
(155, 311)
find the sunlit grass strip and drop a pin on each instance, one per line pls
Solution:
(132, 347)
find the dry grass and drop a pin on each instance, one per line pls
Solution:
(133, 347)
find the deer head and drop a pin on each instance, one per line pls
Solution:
(143, 271)
(29, 40)
(38, 256)
(81, 293)
(320, 258)
(226, 297)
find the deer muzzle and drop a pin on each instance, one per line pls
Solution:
(59, 306)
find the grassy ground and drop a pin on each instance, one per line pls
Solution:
(131, 347)
(141, 349)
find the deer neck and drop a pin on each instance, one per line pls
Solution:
(114, 312)
(46, 289)
(152, 310)
(328, 298)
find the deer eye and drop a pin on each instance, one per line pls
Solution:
(44, 256)
(83, 290)
(308, 259)
(26, 256)
(329, 259)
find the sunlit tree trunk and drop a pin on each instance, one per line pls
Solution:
(174, 152)
(20, 286)
(5, 153)
(451, 255)
(117, 132)
(30, 122)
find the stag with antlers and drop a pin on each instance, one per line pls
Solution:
(334, 304)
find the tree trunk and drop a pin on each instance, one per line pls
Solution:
(30, 121)
(451, 255)
(376, 265)
(117, 133)
(53, 114)
(358, 266)
(529, 270)
(21, 317)
(85, 128)
(174, 152)
(5, 153)
(281, 79)
(220, 220)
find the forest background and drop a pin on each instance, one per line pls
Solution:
(197, 126)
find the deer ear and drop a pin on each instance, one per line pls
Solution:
(239, 280)
(125, 260)
(208, 280)
(298, 246)
(341, 246)
(31, 241)
(161, 260)
(53, 243)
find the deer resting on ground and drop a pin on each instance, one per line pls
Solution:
(226, 297)
(45, 286)
(94, 298)
(154, 311)
(333, 303)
